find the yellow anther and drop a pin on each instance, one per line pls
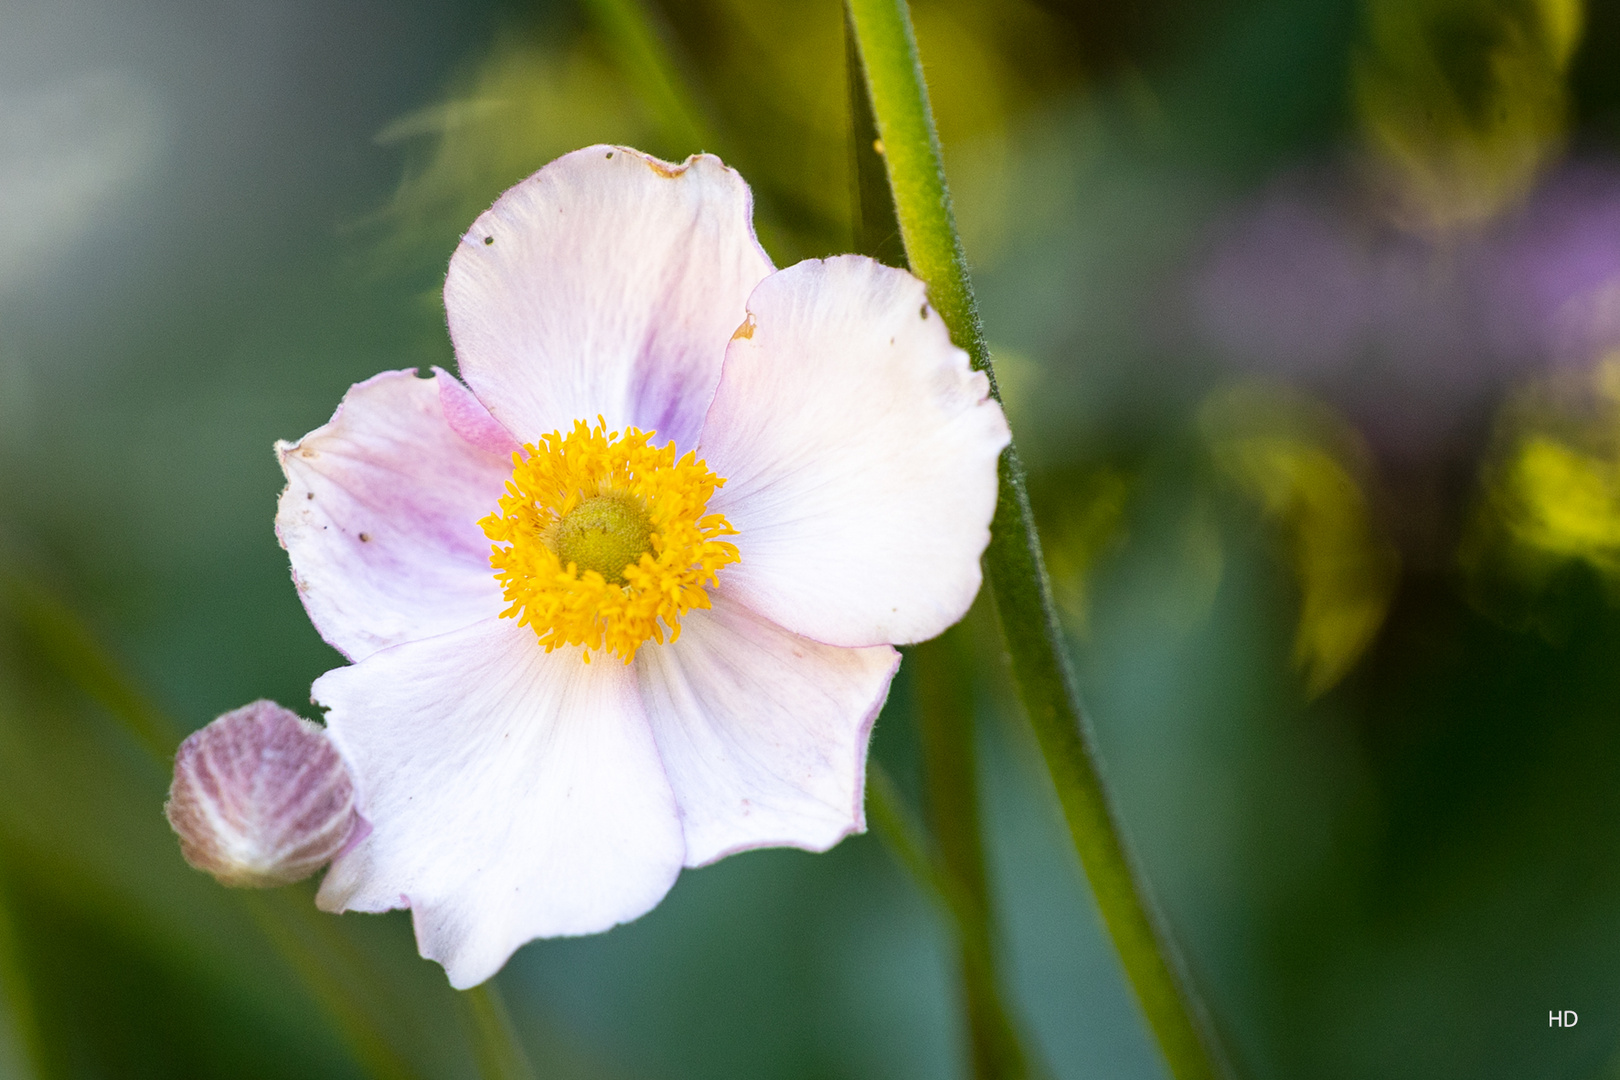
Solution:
(602, 540)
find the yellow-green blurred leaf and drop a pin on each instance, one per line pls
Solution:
(1461, 102)
(1552, 490)
(1301, 465)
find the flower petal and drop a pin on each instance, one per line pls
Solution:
(763, 733)
(513, 794)
(380, 518)
(860, 455)
(468, 418)
(607, 283)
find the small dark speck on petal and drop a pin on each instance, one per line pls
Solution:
(309, 495)
(610, 153)
(923, 311)
(488, 240)
(365, 538)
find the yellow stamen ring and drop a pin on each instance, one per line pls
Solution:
(601, 539)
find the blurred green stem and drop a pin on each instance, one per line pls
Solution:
(16, 996)
(644, 57)
(892, 820)
(908, 842)
(70, 646)
(1015, 569)
(339, 976)
(334, 972)
(941, 674)
(495, 1041)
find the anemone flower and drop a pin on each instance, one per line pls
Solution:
(625, 601)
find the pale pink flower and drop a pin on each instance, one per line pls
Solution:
(683, 654)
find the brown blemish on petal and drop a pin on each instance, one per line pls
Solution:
(923, 311)
(665, 169)
(365, 538)
(746, 330)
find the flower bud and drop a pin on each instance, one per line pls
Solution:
(261, 797)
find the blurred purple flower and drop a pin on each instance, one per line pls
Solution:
(1553, 281)
(1413, 338)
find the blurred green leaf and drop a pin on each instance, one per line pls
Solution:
(1302, 465)
(1462, 101)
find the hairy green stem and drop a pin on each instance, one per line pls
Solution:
(944, 698)
(1014, 566)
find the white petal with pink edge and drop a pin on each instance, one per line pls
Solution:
(380, 518)
(513, 794)
(607, 283)
(859, 449)
(763, 733)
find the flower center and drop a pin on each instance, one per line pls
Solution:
(607, 534)
(602, 540)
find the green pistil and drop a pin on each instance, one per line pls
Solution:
(607, 534)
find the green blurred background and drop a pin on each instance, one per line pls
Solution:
(1307, 315)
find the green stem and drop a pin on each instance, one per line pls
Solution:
(945, 726)
(944, 696)
(495, 1042)
(1014, 567)
(340, 977)
(69, 645)
(16, 995)
(644, 57)
(334, 973)
(894, 823)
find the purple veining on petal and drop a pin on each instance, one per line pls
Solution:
(380, 517)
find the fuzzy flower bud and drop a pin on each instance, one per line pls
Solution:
(261, 798)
